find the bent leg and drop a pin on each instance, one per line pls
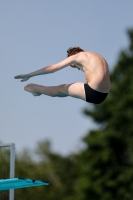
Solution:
(75, 90)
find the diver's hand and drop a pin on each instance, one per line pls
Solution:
(24, 77)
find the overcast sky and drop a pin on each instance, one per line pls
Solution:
(37, 33)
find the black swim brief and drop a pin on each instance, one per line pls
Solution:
(93, 96)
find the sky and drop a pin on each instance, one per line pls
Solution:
(37, 33)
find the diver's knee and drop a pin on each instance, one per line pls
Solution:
(62, 91)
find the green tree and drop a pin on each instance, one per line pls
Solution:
(59, 171)
(106, 164)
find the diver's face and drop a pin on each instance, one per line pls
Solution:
(73, 66)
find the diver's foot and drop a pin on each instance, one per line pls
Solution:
(32, 88)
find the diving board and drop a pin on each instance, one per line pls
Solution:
(16, 183)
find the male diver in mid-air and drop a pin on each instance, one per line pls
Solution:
(96, 71)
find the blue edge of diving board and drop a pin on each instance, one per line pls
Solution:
(16, 183)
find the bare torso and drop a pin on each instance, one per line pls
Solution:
(96, 70)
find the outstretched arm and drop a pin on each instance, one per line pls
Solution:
(49, 69)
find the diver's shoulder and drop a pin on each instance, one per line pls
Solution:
(84, 54)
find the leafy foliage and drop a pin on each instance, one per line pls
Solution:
(51, 167)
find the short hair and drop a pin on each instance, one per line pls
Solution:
(74, 50)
